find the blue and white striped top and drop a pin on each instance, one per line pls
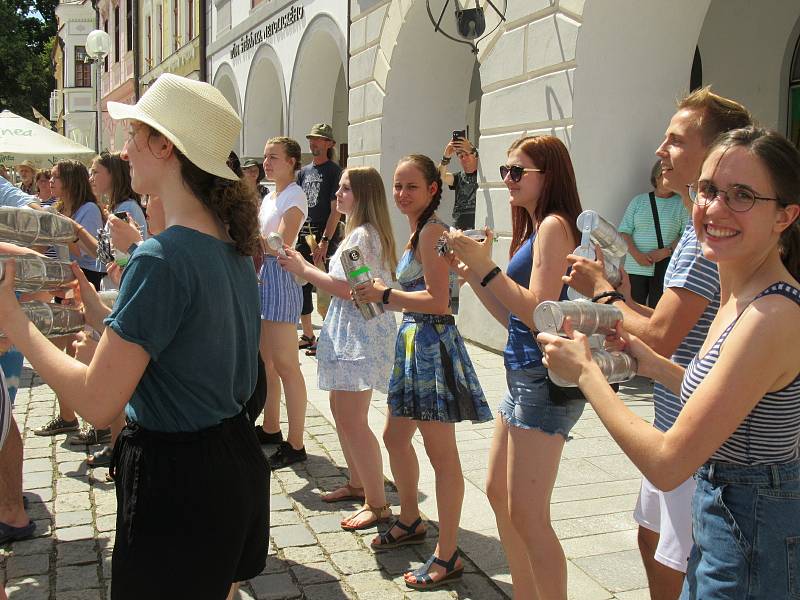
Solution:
(690, 270)
(770, 434)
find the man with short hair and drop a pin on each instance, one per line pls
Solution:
(676, 327)
(319, 180)
(464, 182)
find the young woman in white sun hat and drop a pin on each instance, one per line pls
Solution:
(192, 483)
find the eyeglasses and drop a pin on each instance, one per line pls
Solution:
(738, 198)
(516, 172)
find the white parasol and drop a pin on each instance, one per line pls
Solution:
(21, 139)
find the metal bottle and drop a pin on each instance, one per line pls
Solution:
(53, 319)
(275, 243)
(357, 271)
(36, 273)
(587, 317)
(616, 367)
(29, 227)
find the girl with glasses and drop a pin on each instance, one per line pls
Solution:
(532, 425)
(738, 432)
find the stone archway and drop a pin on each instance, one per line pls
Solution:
(225, 82)
(264, 112)
(318, 92)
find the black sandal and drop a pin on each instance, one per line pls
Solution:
(306, 342)
(389, 542)
(425, 582)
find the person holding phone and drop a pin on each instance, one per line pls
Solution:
(464, 182)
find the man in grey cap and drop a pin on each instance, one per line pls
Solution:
(319, 180)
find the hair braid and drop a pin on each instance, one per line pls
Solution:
(431, 174)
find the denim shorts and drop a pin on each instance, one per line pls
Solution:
(746, 527)
(527, 403)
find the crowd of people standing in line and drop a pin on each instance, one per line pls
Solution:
(718, 508)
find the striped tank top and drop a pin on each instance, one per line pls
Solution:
(771, 432)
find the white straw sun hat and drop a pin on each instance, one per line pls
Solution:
(193, 115)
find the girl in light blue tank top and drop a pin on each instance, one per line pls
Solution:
(740, 427)
(531, 422)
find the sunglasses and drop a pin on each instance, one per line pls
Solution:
(516, 172)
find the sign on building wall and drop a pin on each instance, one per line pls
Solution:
(254, 38)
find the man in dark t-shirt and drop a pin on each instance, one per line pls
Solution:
(464, 182)
(319, 180)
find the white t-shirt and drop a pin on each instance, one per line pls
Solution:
(273, 206)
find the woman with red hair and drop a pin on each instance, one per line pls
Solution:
(531, 426)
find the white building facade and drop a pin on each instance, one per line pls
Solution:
(77, 100)
(282, 64)
(603, 75)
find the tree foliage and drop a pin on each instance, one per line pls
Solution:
(27, 32)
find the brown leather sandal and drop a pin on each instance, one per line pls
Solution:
(352, 493)
(381, 514)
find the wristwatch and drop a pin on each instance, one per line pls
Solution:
(325, 239)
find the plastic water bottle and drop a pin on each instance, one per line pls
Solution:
(358, 271)
(616, 367)
(587, 317)
(37, 273)
(596, 230)
(53, 319)
(275, 243)
(29, 227)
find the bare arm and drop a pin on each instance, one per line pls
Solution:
(716, 408)
(553, 243)
(295, 263)
(435, 298)
(676, 313)
(99, 391)
(289, 228)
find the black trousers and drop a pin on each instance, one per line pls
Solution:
(647, 290)
(192, 511)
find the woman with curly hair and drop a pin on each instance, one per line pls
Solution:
(192, 484)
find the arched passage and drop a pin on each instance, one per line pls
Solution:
(225, 82)
(264, 102)
(626, 85)
(624, 99)
(427, 98)
(319, 82)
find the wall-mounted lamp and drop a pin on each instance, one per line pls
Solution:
(470, 22)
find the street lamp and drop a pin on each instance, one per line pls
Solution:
(98, 45)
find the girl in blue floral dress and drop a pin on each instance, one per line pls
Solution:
(433, 383)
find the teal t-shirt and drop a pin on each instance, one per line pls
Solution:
(637, 222)
(192, 303)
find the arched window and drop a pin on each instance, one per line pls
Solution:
(794, 97)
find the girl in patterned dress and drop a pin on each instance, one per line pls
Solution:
(354, 355)
(433, 383)
(740, 427)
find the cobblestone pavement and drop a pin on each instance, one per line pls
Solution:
(310, 557)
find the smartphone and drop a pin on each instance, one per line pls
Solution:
(459, 134)
(122, 215)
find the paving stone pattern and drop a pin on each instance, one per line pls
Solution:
(310, 556)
